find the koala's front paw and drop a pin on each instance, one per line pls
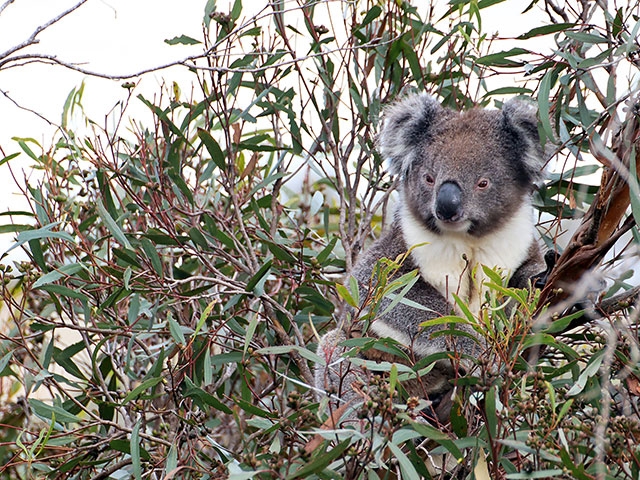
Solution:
(539, 280)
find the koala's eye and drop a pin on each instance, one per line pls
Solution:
(429, 179)
(482, 184)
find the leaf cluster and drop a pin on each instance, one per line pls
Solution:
(181, 270)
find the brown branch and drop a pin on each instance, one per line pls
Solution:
(601, 226)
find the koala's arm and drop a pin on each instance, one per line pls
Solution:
(533, 267)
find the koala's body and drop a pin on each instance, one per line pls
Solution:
(465, 184)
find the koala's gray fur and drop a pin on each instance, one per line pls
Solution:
(465, 197)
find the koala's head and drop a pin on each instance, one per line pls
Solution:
(462, 172)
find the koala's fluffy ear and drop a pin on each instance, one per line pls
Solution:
(406, 123)
(521, 117)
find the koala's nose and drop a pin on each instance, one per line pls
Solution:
(449, 202)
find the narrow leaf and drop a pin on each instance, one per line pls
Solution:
(64, 271)
(175, 330)
(49, 411)
(44, 232)
(111, 225)
(182, 40)
(136, 392)
(546, 30)
(135, 450)
(213, 148)
(407, 468)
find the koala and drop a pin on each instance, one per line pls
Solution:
(465, 186)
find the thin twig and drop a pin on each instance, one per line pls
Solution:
(5, 5)
(33, 38)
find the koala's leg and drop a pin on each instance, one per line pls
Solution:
(338, 379)
(347, 385)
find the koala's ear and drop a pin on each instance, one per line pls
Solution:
(406, 124)
(521, 117)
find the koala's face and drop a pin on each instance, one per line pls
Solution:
(468, 172)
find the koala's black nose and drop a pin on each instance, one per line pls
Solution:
(449, 202)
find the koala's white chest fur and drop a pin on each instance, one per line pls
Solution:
(446, 260)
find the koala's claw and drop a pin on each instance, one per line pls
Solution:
(539, 280)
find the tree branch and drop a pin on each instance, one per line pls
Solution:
(601, 226)
(5, 5)
(33, 38)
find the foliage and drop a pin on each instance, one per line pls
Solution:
(180, 272)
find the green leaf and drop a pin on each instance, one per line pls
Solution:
(407, 468)
(543, 105)
(124, 446)
(134, 309)
(164, 118)
(256, 283)
(25, 148)
(282, 349)
(126, 278)
(152, 254)
(15, 227)
(251, 328)
(171, 463)
(64, 358)
(49, 411)
(236, 10)
(144, 386)
(381, 366)
(502, 58)
(225, 358)
(63, 291)
(434, 434)
(203, 398)
(326, 251)
(588, 38)
(203, 317)
(209, 9)
(589, 371)
(577, 471)
(213, 148)
(509, 91)
(198, 238)
(64, 271)
(546, 30)
(490, 412)
(135, 450)
(127, 255)
(371, 15)
(393, 378)
(44, 232)
(4, 361)
(561, 324)
(449, 319)
(111, 225)
(321, 460)
(345, 295)
(411, 278)
(9, 157)
(182, 40)
(176, 330)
